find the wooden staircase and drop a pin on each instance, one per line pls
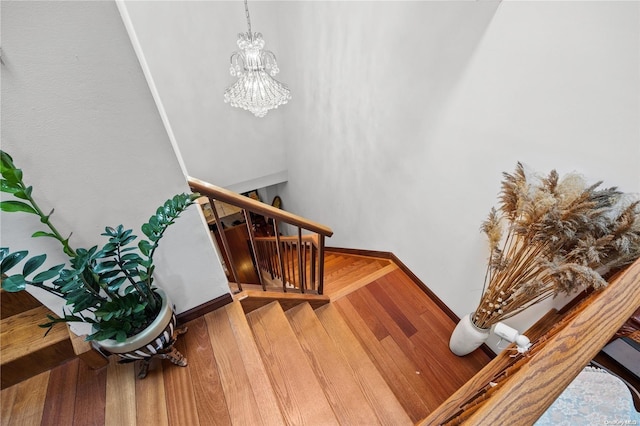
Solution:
(26, 351)
(377, 354)
(299, 367)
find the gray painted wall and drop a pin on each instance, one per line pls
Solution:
(405, 113)
(187, 46)
(409, 112)
(78, 118)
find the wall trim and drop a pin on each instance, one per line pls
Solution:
(205, 308)
(137, 47)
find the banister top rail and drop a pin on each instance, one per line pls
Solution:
(305, 238)
(254, 206)
(532, 389)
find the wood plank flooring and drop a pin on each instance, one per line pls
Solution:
(400, 332)
(407, 338)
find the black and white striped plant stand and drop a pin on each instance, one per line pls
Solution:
(155, 341)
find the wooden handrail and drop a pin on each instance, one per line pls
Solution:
(254, 206)
(528, 392)
(474, 387)
(263, 249)
(305, 238)
(531, 390)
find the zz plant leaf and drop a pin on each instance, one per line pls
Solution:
(110, 287)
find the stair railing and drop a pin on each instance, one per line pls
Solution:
(296, 268)
(516, 389)
(297, 261)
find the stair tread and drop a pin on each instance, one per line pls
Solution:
(331, 368)
(262, 389)
(20, 334)
(344, 267)
(352, 272)
(296, 387)
(242, 372)
(402, 388)
(375, 388)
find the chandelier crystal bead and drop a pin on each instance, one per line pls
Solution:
(256, 90)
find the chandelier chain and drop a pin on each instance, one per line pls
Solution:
(246, 9)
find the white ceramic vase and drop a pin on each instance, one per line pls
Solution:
(467, 337)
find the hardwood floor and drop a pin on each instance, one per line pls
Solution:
(400, 332)
(406, 336)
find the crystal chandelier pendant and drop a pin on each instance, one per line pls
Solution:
(256, 90)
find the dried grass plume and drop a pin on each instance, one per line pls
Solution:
(553, 235)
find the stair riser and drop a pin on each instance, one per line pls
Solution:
(26, 350)
(35, 363)
(16, 303)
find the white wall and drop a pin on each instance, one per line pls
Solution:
(406, 113)
(410, 112)
(187, 46)
(78, 118)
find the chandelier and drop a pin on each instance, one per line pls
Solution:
(256, 90)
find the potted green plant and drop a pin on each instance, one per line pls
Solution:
(550, 236)
(110, 287)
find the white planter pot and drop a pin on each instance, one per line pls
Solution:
(155, 341)
(467, 337)
(156, 336)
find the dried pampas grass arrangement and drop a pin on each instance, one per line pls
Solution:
(553, 235)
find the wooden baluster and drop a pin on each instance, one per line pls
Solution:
(304, 265)
(292, 268)
(292, 256)
(290, 265)
(285, 256)
(280, 257)
(261, 255)
(312, 269)
(272, 259)
(307, 257)
(307, 265)
(264, 250)
(300, 264)
(225, 244)
(247, 218)
(320, 263)
(275, 250)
